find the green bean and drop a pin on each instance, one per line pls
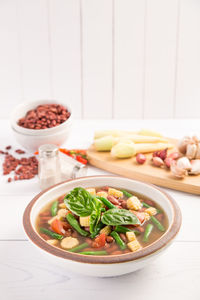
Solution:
(118, 240)
(123, 229)
(103, 209)
(127, 194)
(80, 247)
(147, 206)
(98, 228)
(54, 208)
(51, 233)
(147, 232)
(157, 223)
(93, 252)
(106, 202)
(75, 224)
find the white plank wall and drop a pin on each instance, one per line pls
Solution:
(188, 60)
(35, 50)
(97, 58)
(129, 58)
(10, 73)
(107, 58)
(161, 26)
(65, 39)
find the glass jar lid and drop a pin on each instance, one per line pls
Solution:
(48, 150)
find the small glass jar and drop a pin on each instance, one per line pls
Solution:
(49, 166)
(71, 168)
(54, 166)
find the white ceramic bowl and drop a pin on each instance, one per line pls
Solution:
(103, 266)
(31, 139)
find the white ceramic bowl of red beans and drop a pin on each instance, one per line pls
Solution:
(103, 266)
(32, 139)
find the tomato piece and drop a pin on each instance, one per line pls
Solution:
(57, 226)
(81, 159)
(99, 241)
(139, 215)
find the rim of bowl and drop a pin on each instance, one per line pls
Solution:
(35, 103)
(162, 242)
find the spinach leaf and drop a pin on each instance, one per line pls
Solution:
(80, 202)
(117, 216)
(95, 216)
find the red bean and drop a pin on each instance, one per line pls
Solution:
(113, 200)
(123, 237)
(44, 116)
(109, 239)
(24, 168)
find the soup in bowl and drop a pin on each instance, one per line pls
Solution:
(102, 225)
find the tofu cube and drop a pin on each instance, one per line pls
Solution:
(151, 211)
(115, 193)
(130, 236)
(84, 221)
(134, 203)
(134, 246)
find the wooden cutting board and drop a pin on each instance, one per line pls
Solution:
(128, 167)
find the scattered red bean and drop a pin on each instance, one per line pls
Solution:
(8, 147)
(44, 116)
(24, 168)
(19, 151)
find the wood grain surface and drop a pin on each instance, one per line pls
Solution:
(128, 167)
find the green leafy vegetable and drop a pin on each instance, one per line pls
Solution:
(95, 215)
(117, 216)
(80, 202)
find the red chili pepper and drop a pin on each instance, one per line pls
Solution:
(81, 159)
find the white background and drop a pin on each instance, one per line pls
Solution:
(107, 58)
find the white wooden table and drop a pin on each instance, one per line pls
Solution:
(25, 276)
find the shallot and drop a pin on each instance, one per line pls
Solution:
(140, 158)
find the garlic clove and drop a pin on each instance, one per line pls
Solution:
(191, 151)
(195, 170)
(197, 156)
(176, 171)
(184, 163)
(157, 161)
(195, 139)
(182, 145)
